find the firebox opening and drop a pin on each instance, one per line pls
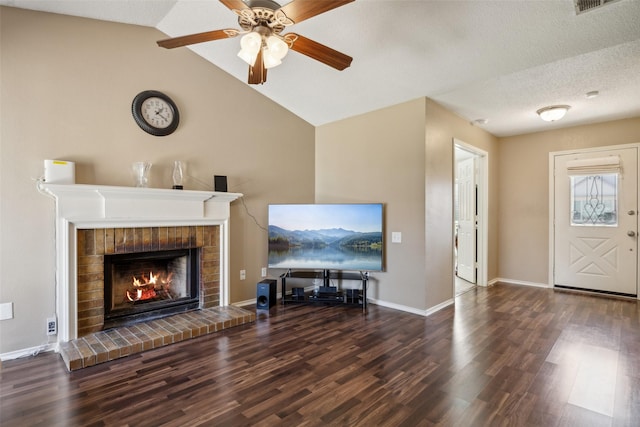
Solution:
(148, 285)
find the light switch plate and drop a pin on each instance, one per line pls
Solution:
(396, 237)
(6, 311)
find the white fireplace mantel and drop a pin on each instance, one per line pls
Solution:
(96, 206)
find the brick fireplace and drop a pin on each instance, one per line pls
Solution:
(92, 221)
(96, 244)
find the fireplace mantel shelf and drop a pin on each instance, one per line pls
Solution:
(81, 202)
(113, 192)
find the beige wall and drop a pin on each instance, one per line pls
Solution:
(442, 127)
(66, 90)
(379, 157)
(403, 156)
(524, 192)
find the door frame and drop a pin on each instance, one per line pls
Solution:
(482, 182)
(552, 207)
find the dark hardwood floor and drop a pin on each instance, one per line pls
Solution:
(506, 355)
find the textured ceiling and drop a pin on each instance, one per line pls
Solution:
(499, 60)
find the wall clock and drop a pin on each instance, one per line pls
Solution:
(155, 113)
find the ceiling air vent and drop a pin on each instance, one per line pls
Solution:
(586, 5)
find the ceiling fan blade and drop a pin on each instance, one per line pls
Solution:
(318, 51)
(197, 38)
(235, 4)
(257, 71)
(299, 10)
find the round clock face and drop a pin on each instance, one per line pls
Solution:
(155, 113)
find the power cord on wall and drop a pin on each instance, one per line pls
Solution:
(39, 182)
(251, 215)
(244, 204)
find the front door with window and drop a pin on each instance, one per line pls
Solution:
(596, 220)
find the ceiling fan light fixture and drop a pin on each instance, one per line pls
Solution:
(247, 57)
(274, 50)
(269, 59)
(277, 47)
(250, 44)
(553, 112)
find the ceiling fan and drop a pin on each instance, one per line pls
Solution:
(262, 45)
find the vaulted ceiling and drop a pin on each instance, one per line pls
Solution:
(498, 60)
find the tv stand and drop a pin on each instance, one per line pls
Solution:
(326, 294)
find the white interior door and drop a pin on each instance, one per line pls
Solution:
(466, 175)
(596, 220)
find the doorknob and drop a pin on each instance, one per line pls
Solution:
(631, 233)
(631, 212)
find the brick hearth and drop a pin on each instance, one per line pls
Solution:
(95, 345)
(103, 346)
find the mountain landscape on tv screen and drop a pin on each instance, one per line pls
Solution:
(279, 238)
(334, 248)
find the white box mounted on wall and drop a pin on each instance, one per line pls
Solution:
(59, 172)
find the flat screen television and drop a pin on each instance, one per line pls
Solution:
(326, 236)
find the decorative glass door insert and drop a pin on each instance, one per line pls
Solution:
(594, 200)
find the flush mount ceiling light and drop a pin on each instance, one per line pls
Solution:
(262, 45)
(553, 113)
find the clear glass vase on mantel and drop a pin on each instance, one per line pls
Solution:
(141, 173)
(178, 174)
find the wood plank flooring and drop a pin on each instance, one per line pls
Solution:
(503, 356)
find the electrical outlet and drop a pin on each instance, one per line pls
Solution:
(264, 272)
(52, 326)
(243, 274)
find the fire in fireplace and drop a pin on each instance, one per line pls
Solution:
(147, 285)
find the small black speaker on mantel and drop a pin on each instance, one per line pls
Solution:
(266, 294)
(220, 183)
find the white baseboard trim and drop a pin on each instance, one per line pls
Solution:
(28, 352)
(245, 303)
(519, 282)
(412, 310)
(440, 306)
(397, 306)
(381, 303)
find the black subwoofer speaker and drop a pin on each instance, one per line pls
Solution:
(266, 294)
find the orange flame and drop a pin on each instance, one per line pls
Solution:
(145, 288)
